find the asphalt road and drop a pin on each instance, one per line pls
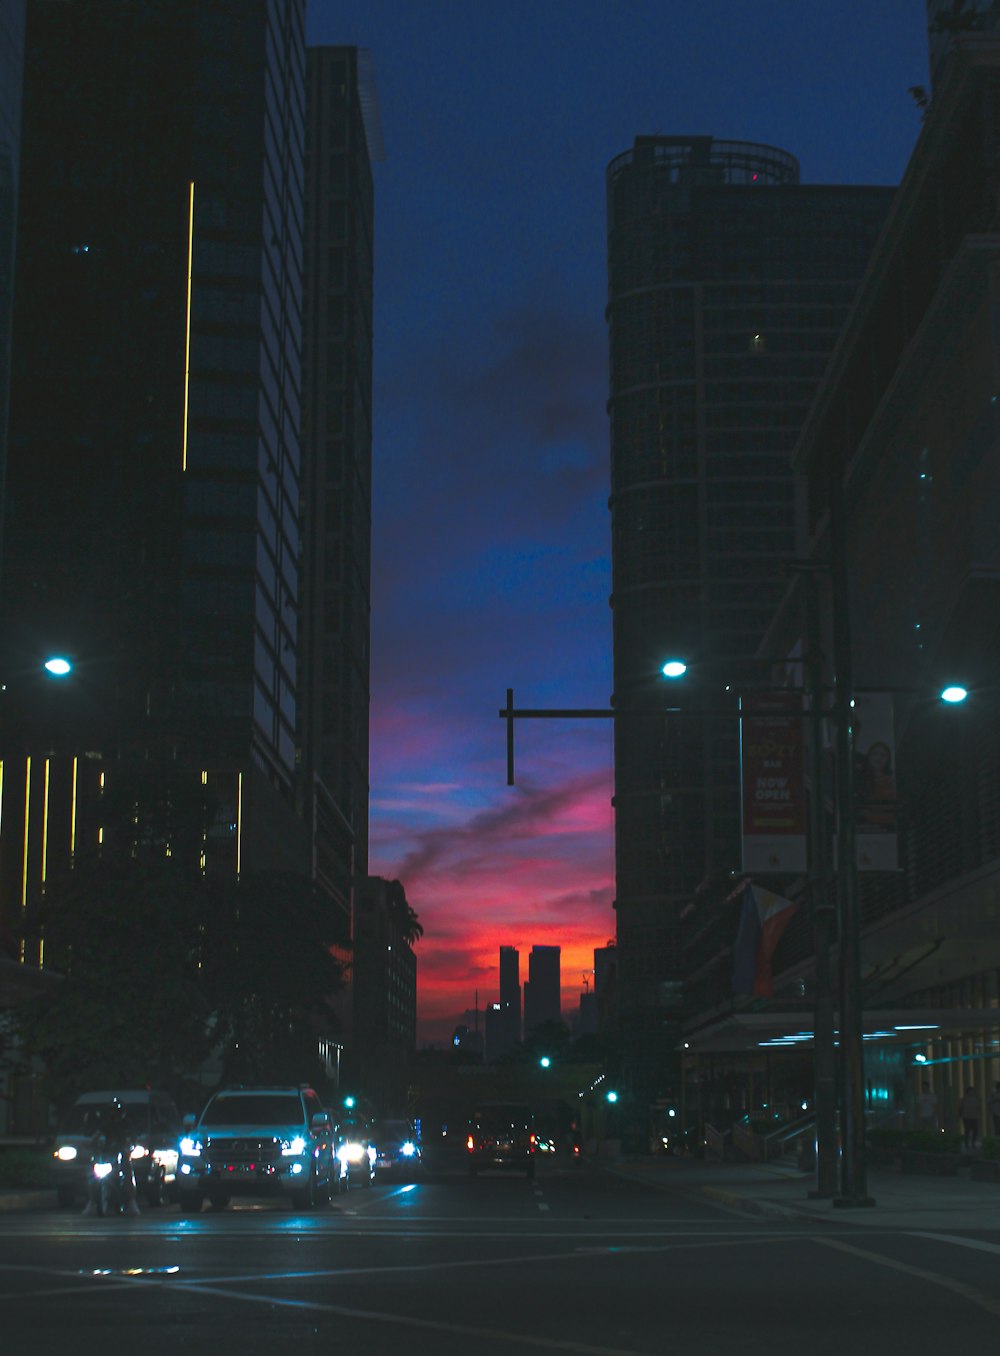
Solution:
(576, 1261)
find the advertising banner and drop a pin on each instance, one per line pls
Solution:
(772, 730)
(875, 782)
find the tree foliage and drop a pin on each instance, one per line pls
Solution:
(164, 968)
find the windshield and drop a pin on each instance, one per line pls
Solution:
(267, 1108)
(90, 1117)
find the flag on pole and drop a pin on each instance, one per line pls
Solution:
(763, 918)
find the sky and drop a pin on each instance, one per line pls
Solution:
(491, 532)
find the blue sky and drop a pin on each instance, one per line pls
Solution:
(491, 533)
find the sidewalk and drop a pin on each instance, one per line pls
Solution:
(901, 1200)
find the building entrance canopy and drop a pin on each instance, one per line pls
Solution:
(766, 1031)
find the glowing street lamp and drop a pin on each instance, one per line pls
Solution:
(58, 666)
(954, 694)
(674, 668)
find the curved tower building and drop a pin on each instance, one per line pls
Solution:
(728, 284)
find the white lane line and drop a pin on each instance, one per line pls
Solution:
(977, 1243)
(511, 1340)
(967, 1292)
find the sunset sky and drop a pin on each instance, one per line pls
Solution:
(491, 535)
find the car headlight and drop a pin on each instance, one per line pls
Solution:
(102, 1170)
(351, 1153)
(138, 1151)
(408, 1149)
(65, 1153)
(191, 1148)
(293, 1148)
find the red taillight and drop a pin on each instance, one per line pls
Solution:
(470, 1144)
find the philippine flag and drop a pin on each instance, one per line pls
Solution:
(763, 918)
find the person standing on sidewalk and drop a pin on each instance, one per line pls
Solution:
(927, 1112)
(968, 1109)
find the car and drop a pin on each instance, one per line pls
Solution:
(397, 1149)
(501, 1135)
(250, 1141)
(355, 1150)
(155, 1124)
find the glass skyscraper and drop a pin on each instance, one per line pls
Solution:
(153, 525)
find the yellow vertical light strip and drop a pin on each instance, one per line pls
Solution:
(45, 820)
(24, 850)
(239, 822)
(187, 325)
(72, 813)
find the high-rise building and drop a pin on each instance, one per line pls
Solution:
(342, 138)
(503, 1018)
(153, 527)
(729, 281)
(542, 996)
(385, 992)
(11, 66)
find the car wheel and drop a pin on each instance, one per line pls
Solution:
(66, 1196)
(155, 1188)
(189, 1202)
(218, 1200)
(305, 1199)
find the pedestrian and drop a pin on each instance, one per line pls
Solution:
(995, 1108)
(968, 1109)
(927, 1112)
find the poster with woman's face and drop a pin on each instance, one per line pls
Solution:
(875, 782)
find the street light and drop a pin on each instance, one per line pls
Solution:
(58, 666)
(674, 668)
(954, 693)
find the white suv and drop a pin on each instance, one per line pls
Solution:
(257, 1141)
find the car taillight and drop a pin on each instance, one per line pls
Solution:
(532, 1140)
(470, 1144)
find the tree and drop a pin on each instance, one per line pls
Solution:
(403, 915)
(272, 975)
(132, 1008)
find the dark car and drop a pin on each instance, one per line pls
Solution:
(356, 1151)
(501, 1135)
(397, 1150)
(154, 1124)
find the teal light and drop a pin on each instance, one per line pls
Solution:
(674, 668)
(545, 1062)
(954, 694)
(611, 1096)
(348, 1102)
(58, 665)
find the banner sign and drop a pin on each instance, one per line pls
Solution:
(772, 729)
(875, 782)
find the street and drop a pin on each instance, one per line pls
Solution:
(576, 1261)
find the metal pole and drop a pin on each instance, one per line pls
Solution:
(854, 1184)
(824, 1053)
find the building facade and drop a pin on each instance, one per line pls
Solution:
(341, 140)
(542, 991)
(729, 281)
(899, 456)
(384, 1033)
(153, 515)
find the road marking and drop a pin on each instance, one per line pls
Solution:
(967, 1292)
(979, 1244)
(509, 1339)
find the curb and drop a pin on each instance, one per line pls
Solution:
(26, 1200)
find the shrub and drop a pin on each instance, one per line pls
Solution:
(932, 1142)
(26, 1168)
